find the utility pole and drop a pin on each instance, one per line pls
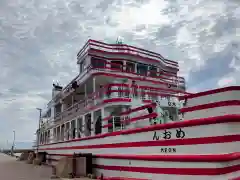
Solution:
(12, 150)
(39, 126)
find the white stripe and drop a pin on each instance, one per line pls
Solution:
(219, 148)
(190, 132)
(158, 164)
(223, 96)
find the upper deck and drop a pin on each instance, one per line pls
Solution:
(124, 62)
(124, 49)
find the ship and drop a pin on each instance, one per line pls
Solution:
(128, 107)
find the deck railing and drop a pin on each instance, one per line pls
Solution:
(112, 91)
(109, 67)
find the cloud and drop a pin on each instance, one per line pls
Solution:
(39, 41)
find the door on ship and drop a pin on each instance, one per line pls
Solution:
(98, 125)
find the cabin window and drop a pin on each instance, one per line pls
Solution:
(116, 124)
(58, 133)
(98, 63)
(130, 67)
(67, 130)
(98, 125)
(48, 136)
(117, 65)
(81, 67)
(73, 129)
(62, 132)
(79, 126)
(142, 69)
(87, 124)
(153, 71)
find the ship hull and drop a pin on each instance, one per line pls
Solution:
(180, 150)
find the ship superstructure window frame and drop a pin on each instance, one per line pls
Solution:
(130, 67)
(79, 126)
(142, 69)
(73, 129)
(82, 65)
(98, 62)
(117, 65)
(153, 70)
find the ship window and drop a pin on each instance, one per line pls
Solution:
(58, 133)
(142, 69)
(73, 129)
(48, 136)
(87, 124)
(67, 128)
(130, 67)
(117, 65)
(153, 71)
(98, 125)
(79, 127)
(81, 66)
(98, 63)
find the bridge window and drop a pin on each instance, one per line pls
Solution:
(117, 65)
(87, 124)
(130, 67)
(79, 126)
(73, 129)
(153, 71)
(98, 63)
(82, 66)
(142, 69)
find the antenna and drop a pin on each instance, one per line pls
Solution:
(119, 40)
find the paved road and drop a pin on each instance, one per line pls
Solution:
(10, 169)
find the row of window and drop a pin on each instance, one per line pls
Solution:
(73, 129)
(131, 66)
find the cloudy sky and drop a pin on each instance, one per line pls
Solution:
(39, 41)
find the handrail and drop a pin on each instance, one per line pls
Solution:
(123, 68)
(106, 93)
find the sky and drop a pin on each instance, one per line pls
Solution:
(39, 41)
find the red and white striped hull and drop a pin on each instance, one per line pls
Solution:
(210, 148)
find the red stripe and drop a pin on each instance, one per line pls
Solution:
(132, 78)
(133, 47)
(175, 158)
(213, 91)
(170, 158)
(179, 124)
(211, 105)
(119, 178)
(117, 100)
(173, 171)
(171, 142)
